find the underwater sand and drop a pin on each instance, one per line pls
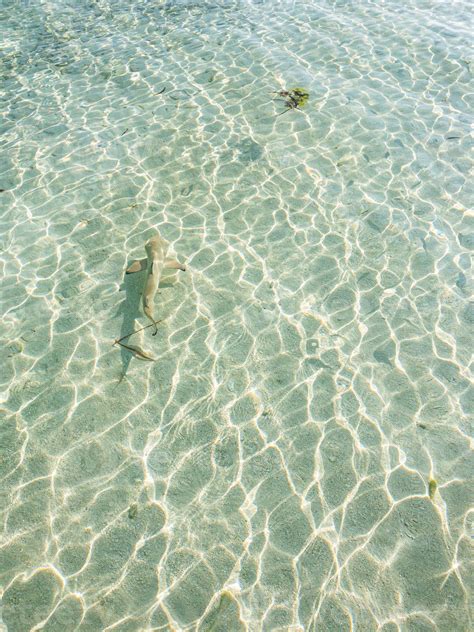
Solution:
(298, 456)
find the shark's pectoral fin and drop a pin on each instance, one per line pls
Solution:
(137, 266)
(174, 265)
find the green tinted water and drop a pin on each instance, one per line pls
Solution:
(271, 470)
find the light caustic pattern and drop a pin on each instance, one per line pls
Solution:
(271, 470)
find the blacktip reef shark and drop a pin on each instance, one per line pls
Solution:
(156, 249)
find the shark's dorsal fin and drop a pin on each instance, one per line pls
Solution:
(137, 266)
(155, 268)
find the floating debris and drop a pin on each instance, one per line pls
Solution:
(432, 487)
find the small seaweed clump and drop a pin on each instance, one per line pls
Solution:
(295, 98)
(299, 96)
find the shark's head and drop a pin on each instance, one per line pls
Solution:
(156, 246)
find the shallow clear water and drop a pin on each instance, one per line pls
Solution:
(271, 470)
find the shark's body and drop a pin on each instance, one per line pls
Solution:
(156, 249)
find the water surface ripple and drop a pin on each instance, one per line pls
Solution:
(298, 456)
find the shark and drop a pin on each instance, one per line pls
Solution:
(154, 263)
(136, 351)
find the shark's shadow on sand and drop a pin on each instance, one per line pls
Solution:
(129, 308)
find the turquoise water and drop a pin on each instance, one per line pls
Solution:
(297, 458)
